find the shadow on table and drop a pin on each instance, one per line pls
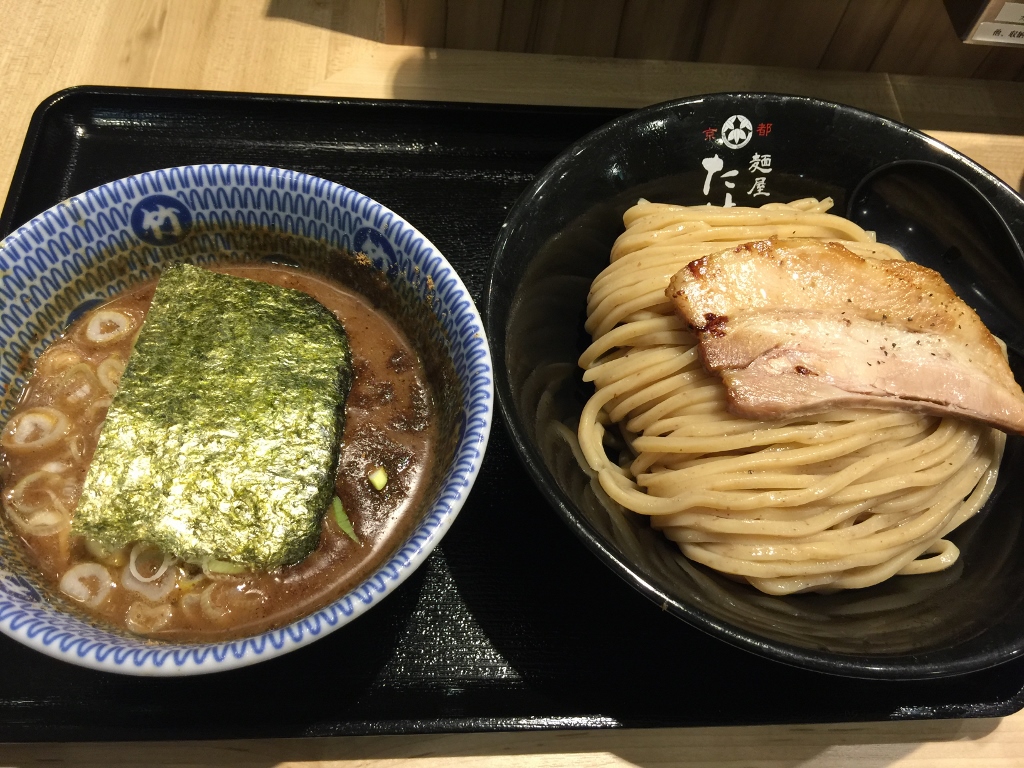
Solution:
(926, 103)
(872, 745)
(360, 18)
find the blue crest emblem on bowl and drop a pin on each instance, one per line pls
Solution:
(14, 586)
(80, 310)
(161, 220)
(375, 245)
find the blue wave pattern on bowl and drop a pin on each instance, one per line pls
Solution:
(61, 261)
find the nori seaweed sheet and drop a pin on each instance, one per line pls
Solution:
(222, 439)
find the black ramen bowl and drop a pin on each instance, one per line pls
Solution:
(935, 205)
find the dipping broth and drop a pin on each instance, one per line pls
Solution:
(49, 441)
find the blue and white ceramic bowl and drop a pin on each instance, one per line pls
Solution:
(95, 244)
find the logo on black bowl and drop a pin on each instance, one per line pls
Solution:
(736, 132)
(161, 220)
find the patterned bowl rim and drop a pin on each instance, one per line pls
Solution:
(117, 653)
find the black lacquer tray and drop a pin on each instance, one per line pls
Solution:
(512, 623)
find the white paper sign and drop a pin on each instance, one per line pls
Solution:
(1011, 13)
(991, 32)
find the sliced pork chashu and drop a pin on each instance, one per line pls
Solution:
(800, 326)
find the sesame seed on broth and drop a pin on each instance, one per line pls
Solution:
(388, 423)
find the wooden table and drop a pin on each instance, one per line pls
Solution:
(320, 47)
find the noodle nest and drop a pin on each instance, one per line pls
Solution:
(839, 500)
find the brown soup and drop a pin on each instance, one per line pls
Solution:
(49, 441)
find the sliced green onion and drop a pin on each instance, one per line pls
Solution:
(378, 478)
(223, 566)
(342, 520)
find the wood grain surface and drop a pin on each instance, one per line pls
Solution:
(328, 48)
(904, 36)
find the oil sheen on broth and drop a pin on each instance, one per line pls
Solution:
(50, 439)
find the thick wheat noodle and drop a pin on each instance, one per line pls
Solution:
(744, 234)
(831, 543)
(838, 486)
(657, 330)
(925, 453)
(840, 500)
